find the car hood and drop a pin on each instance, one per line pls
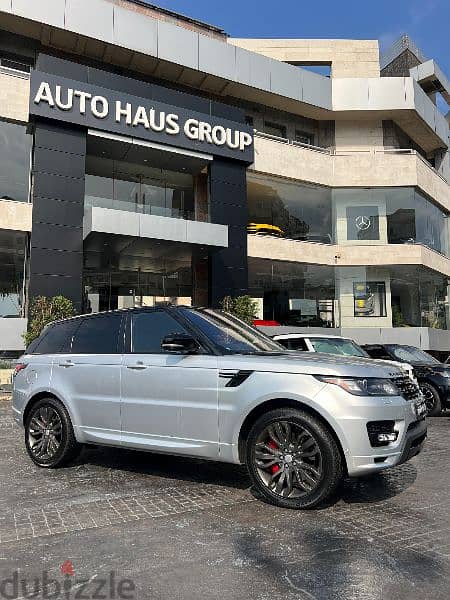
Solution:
(314, 363)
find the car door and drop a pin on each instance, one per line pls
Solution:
(89, 377)
(169, 401)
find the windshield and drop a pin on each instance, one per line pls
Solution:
(337, 346)
(230, 334)
(412, 354)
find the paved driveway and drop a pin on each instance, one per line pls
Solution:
(186, 529)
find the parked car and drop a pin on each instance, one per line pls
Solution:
(202, 383)
(265, 229)
(433, 376)
(332, 344)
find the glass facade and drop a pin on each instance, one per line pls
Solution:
(122, 272)
(12, 273)
(308, 295)
(296, 211)
(390, 215)
(138, 188)
(419, 298)
(412, 219)
(292, 293)
(15, 152)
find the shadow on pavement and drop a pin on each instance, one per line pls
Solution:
(167, 466)
(374, 488)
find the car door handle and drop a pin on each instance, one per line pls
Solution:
(139, 366)
(68, 363)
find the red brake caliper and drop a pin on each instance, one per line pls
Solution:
(274, 468)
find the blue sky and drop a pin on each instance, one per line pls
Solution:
(426, 21)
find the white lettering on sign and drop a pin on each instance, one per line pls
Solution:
(69, 99)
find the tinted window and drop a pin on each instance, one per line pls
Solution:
(15, 147)
(148, 329)
(56, 340)
(294, 344)
(299, 344)
(98, 335)
(231, 335)
(378, 353)
(337, 346)
(412, 354)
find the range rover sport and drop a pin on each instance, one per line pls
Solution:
(201, 383)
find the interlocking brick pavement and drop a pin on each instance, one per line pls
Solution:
(192, 529)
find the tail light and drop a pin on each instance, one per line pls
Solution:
(19, 367)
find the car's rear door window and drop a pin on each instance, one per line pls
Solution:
(98, 335)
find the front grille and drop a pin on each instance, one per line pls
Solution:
(408, 389)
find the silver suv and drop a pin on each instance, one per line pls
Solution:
(201, 383)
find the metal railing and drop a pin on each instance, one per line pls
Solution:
(333, 151)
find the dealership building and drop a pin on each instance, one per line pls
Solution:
(148, 157)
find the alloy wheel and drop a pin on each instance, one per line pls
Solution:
(288, 459)
(429, 398)
(45, 433)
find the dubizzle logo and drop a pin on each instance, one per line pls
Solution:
(67, 588)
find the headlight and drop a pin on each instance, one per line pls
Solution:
(369, 386)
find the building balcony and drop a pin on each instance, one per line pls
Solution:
(374, 167)
(120, 222)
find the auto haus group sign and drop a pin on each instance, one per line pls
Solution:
(99, 108)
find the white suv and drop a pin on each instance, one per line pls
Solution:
(203, 384)
(333, 344)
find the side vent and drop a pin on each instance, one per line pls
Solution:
(235, 378)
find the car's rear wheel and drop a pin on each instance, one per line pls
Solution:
(49, 436)
(292, 458)
(432, 399)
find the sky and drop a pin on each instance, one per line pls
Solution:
(426, 21)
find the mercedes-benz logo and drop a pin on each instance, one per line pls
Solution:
(362, 222)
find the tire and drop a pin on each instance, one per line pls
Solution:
(313, 455)
(432, 399)
(49, 437)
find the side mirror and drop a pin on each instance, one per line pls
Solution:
(179, 343)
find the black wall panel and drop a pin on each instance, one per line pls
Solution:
(228, 272)
(56, 260)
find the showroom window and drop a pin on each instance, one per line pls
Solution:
(12, 268)
(413, 219)
(410, 217)
(297, 211)
(293, 293)
(15, 152)
(139, 188)
(369, 299)
(419, 298)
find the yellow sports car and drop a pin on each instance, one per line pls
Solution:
(265, 229)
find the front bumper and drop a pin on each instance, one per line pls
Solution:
(351, 415)
(414, 440)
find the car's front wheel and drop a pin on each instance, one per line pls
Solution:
(432, 399)
(49, 436)
(292, 458)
